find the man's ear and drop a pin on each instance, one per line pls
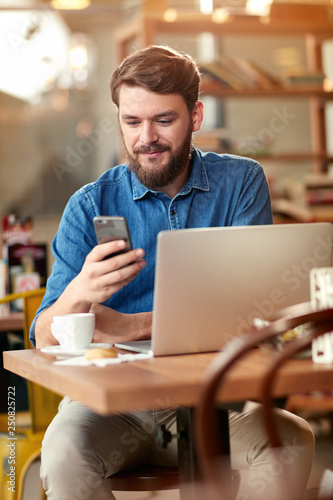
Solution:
(197, 116)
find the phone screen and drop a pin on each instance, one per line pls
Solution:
(111, 228)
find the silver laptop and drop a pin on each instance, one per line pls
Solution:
(210, 283)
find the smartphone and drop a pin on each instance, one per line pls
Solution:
(110, 228)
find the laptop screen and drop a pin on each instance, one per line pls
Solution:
(211, 283)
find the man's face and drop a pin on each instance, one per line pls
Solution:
(157, 133)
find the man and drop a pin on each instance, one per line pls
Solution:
(167, 184)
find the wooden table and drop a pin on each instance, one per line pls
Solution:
(162, 382)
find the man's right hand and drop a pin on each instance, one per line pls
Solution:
(97, 281)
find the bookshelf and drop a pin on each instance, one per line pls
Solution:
(215, 89)
(313, 22)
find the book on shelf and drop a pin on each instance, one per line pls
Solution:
(315, 189)
(306, 79)
(258, 77)
(292, 209)
(217, 140)
(238, 73)
(302, 212)
(230, 65)
(318, 190)
(220, 74)
(319, 196)
(318, 181)
(307, 200)
(208, 79)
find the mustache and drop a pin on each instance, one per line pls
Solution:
(151, 149)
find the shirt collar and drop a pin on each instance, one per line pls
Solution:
(198, 179)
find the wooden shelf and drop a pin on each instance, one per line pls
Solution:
(296, 157)
(218, 90)
(284, 19)
(283, 157)
(302, 213)
(313, 22)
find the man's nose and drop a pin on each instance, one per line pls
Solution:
(148, 133)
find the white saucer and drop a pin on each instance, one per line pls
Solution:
(58, 351)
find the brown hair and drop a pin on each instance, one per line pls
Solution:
(159, 69)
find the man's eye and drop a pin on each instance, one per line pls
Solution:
(164, 122)
(132, 123)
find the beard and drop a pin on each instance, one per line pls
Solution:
(161, 175)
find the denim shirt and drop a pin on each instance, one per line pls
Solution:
(222, 190)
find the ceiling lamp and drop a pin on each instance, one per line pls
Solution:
(206, 7)
(220, 15)
(170, 15)
(78, 56)
(70, 4)
(258, 7)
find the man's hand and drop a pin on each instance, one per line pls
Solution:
(113, 326)
(99, 279)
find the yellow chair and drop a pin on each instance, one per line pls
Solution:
(43, 405)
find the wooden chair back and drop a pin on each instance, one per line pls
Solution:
(318, 323)
(216, 474)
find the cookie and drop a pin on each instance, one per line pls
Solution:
(101, 352)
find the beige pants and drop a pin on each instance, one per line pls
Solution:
(81, 449)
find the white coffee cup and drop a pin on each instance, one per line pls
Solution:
(74, 331)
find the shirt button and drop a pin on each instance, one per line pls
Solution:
(173, 212)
